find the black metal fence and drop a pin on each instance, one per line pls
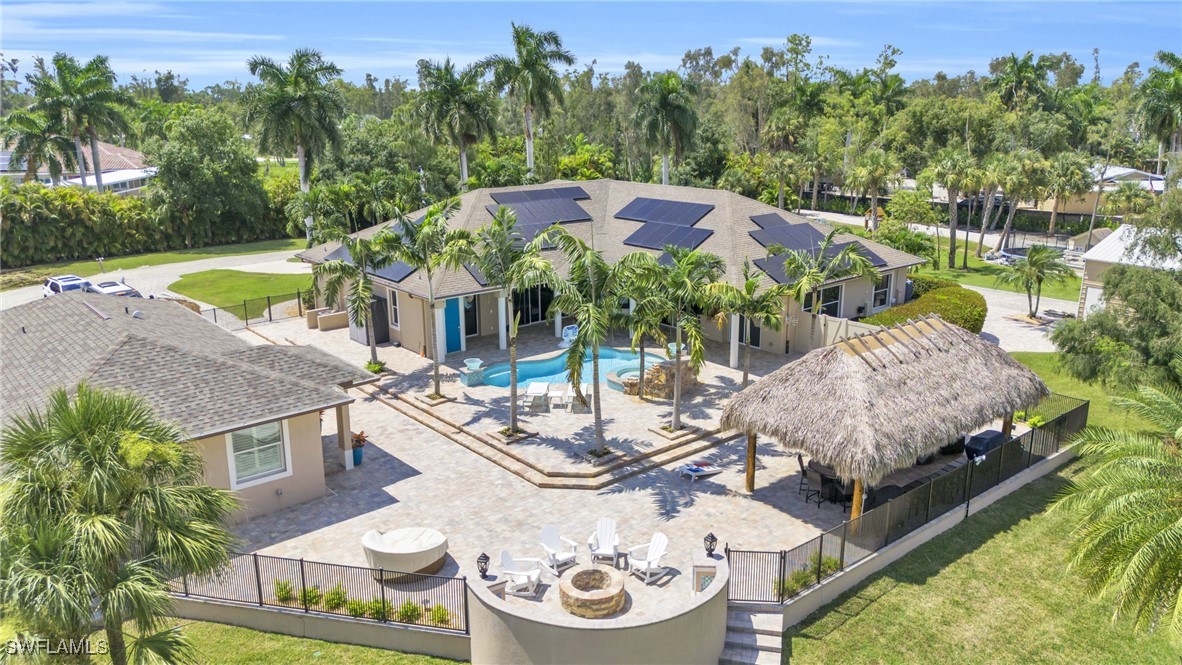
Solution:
(258, 310)
(384, 596)
(772, 576)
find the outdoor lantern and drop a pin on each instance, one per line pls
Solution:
(482, 565)
(711, 542)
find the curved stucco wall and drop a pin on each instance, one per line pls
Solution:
(694, 632)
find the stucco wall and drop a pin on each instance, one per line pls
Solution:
(306, 481)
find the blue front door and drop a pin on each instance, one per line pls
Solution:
(451, 322)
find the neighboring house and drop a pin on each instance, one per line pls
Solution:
(1113, 250)
(618, 218)
(122, 181)
(253, 412)
(1088, 239)
(1113, 177)
(122, 169)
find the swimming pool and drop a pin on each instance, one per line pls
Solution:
(553, 370)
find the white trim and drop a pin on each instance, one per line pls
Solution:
(840, 299)
(259, 480)
(395, 310)
(889, 279)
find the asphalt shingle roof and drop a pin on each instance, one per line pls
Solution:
(189, 369)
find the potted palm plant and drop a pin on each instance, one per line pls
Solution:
(359, 441)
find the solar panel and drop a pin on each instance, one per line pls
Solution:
(545, 211)
(774, 265)
(875, 260)
(791, 236)
(395, 272)
(476, 274)
(572, 192)
(657, 236)
(681, 213)
(768, 220)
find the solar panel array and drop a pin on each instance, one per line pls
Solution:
(395, 272)
(774, 265)
(768, 220)
(656, 236)
(681, 213)
(791, 236)
(547, 212)
(573, 192)
(476, 274)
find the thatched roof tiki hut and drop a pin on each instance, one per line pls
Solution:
(873, 403)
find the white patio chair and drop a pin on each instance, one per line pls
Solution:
(534, 398)
(556, 395)
(521, 575)
(644, 561)
(604, 543)
(560, 552)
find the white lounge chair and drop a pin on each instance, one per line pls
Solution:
(535, 396)
(556, 395)
(644, 561)
(568, 336)
(560, 552)
(604, 543)
(698, 469)
(521, 575)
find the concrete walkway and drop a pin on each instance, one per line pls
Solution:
(155, 280)
(1013, 335)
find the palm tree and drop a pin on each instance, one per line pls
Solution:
(786, 171)
(1130, 532)
(366, 254)
(1068, 175)
(875, 169)
(103, 505)
(424, 246)
(952, 167)
(1127, 199)
(764, 308)
(36, 140)
(79, 99)
(509, 265)
(1019, 80)
(376, 191)
(1160, 105)
(530, 77)
(1040, 265)
(995, 169)
(297, 106)
(666, 116)
(455, 107)
(809, 270)
(1021, 181)
(647, 320)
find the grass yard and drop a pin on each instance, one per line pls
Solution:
(35, 274)
(227, 289)
(984, 274)
(992, 590)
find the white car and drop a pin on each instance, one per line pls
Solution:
(113, 289)
(62, 283)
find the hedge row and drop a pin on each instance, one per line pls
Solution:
(954, 304)
(921, 284)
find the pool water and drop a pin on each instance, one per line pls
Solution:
(553, 370)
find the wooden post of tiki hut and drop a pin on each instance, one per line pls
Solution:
(874, 403)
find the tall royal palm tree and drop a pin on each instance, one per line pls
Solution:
(1068, 174)
(103, 504)
(424, 246)
(1021, 181)
(80, 99)
(1129, 198)
(1160, 104)
(667, 116)
(754, 303)
(994, 169)
(1020, 80)
(530, 77)
(36, 140)
(1130, 531)
(874, 169)
(509, 265)
(951, 167)
(1041, 264)
(456, 107)
(296, 106)
(366, 254)
(809, 270)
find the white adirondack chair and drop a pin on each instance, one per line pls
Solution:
(560, 552)
(604, 543)
(644, 561)
(521, 575)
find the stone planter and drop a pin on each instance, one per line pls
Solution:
(609, 458)
(433, 402)
(511, 439)
(686, 430)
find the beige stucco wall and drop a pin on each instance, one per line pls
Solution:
(306, 481)
(411, 320)
(1075, 206)
(487, 304)
(1093, 277)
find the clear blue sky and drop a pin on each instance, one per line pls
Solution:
(209, 42)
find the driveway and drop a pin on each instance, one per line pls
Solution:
(1014, 335)
(154, 280)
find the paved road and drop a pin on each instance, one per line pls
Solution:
(155, 280)
(991, 238)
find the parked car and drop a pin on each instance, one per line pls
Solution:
(62, 283)
(113, 289)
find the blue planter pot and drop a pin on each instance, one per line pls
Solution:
(357, 456)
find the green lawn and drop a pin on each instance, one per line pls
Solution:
(228, 288)
(1100, 411)
(992, 590)
(91, 267)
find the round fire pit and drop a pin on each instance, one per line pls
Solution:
(592, 592)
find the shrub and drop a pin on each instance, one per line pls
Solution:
(440, 616)
(1036, 421)
(380, 609)
(311, 596)
(410, 612)
(336, 598)
(375, 368)
(284, 591)
(954, 304)
(799, 580)
(357, 608)
(922, 284)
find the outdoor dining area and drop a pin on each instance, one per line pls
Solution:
(880, 404)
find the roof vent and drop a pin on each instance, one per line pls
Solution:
(137, 314)
(126, 310)
(24, 331)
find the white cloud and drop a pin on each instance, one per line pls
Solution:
(822, 42)
(26, 31)
(35, 10)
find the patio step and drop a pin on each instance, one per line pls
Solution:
(737, 655)
(753, 635)
(763, 623)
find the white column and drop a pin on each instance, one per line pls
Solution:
(440, 331)
(464, 324)
(631, 310)
(344, 436)
(502, 332)
(557, 323)
(734, 360)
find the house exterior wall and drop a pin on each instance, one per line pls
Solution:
(1074, 206)
(487, 304)
(306, 462)
(1093, 278)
